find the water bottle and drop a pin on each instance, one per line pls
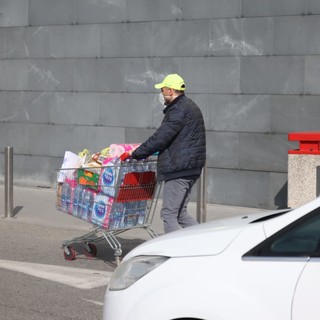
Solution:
(125, 168)
(131, 214)
(142, 209)
(70, 195)
(152, 166)
(87, 204)
(117, 216)
(77, 200)
(100, 210)
(65, 194)
(121, 214)
(145, 165)
(109, 177)
(138, 166)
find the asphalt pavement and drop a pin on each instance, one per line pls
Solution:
(37, 206)
(37, 282)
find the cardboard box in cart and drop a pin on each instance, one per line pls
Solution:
(89, 177)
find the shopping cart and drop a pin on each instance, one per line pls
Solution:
(114, 198)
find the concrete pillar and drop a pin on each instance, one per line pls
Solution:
(302, 168)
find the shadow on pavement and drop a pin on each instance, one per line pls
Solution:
(16, 210)
(105, 252)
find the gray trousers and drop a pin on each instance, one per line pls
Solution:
(176, 196)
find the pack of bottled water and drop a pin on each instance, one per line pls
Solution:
(101, 210)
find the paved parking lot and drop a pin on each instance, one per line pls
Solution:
(37, 282)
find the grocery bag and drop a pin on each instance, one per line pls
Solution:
(70, 161)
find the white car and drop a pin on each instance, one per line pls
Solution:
(258, 267)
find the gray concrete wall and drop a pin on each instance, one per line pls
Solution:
(79, 74)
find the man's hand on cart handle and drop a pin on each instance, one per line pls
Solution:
(126, 155)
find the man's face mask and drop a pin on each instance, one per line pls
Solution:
(161, 99)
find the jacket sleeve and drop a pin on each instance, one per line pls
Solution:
(162, 138)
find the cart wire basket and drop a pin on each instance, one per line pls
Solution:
(114, 198)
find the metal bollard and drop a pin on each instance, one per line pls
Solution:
(8, 182)
(202, 196)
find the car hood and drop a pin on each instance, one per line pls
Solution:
(210, 238)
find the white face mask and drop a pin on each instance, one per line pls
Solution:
(161, 99)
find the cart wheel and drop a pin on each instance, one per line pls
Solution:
(69, 253)
(92, 252)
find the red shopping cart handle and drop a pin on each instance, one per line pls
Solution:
(125, 156)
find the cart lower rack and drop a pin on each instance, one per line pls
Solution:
(114, 198)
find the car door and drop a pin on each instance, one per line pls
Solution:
(305, 304)
(299, 241)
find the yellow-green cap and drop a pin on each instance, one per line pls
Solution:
(173, 81)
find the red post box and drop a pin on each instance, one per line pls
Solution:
(309, 142)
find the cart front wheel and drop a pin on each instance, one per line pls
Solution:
(69, 253)
(90, 250)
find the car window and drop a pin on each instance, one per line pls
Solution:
(301, 238)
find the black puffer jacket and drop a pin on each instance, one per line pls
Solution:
(180, 140)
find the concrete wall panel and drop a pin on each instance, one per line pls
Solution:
(247, 188)
(3, 49)
(312, 75)
(126, 110)
(100, 75)
(50, 74)
(273, 7)
(75, 41)
(296, 36)
(14, 135)
(295, 113)
(236, 113)
(126, 39)
(222, 149)
(53, 141)
(212, 74)
(237, 187)
(264, 152)
(313, 7)
(48, 12)
(187, 38)
(252, 36)
(206, 9)
(75, 108)
(13, 75)
(100, 11)
(142, 74)
(145, 10)
(13, 13)
(26, 107)
(138, 135)
(27, 42)
(272, 75)
(4, 113)
(42, 169)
